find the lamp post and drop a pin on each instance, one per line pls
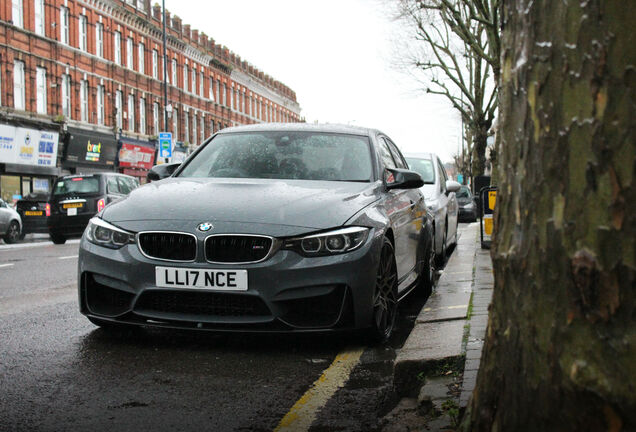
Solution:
(165, 69)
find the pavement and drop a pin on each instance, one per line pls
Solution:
(435, 371)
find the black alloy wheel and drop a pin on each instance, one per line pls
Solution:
(13, 233)
(441, 258)
(427, 275)
(57, 238)
(385, 301)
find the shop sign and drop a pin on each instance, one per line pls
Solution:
(28, 146)
(89, 148)
(136, 156)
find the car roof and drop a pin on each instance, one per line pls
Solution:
(302, 127)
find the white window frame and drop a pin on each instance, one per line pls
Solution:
(202, 129)
(194, 80)
(119, 109)
(130, 58)
(66, 95)
(175, 124)
(65, 25)
(141, 58)
(217, 89)
(155, 118)
(19, 97)
(211, 89)
(224, 95)
(201, 83)
(39, 17)
(99, 40)
(131, 112)
(83, 32)
(155, 64)
(186, 127)
(40, 86)
(117, 48)
(84, 100)
(194, 128)
(17, 13)
(175, 78)
(185, 77)
(100, 105)
(142, 116)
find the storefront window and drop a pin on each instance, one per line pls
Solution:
(9, 187)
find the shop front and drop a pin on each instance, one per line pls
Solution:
(88, 151)
(135, 157)
(28, 161)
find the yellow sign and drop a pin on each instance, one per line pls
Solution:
(488, 224)
(492, 199)
(72, 205)
(33, 213)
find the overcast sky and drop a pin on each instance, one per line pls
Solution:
(337, 56)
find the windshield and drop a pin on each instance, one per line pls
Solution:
(284, 155)
(423, 167)
(76, 185)
(463, 192)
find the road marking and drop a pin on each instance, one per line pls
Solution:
(6, 265)
(68, 257)
(303, 413)
(37, 244)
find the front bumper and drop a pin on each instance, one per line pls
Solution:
(287, 292)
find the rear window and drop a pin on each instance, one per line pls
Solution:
(76, 185)
(423, 167)
(463, 192)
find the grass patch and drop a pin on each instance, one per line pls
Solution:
(453, 366)
(450, 408)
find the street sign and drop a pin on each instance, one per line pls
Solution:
(460, 179)
(165, 144)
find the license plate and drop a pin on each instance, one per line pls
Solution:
(225, 280)
(72, 205)
(71, 212)
(32, 213)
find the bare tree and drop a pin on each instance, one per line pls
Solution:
(457, 51)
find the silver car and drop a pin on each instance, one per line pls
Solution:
(10, 223)
(439, 193)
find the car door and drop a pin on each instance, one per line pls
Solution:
(398, 207)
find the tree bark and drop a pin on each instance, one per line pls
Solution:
(560, 351)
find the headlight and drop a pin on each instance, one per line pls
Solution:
(329, 243)
(467, 206)
(104, 234)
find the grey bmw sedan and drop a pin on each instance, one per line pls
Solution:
(264, 228)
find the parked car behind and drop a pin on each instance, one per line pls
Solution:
(284, 228)
(32, 210)
(439, 193)
(10, 223)
(467, 205)
(75, 199)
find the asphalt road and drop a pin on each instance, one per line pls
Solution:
(59, 372)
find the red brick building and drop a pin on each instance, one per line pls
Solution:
(91, 72)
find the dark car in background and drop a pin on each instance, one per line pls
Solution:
(75, 199)
(33, 211)
(278, 228)
(439, 193)
(467, 205)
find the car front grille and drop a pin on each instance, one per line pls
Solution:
(168, 246)
(206, 304)
(237, 248)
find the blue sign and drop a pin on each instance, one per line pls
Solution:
(460, 179)
(165, 144)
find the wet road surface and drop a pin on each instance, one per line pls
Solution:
(60, 372)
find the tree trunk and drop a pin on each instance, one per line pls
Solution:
(480, 137)
(560, 351)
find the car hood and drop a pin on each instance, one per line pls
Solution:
(299, 203)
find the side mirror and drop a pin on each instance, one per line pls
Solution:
(452, 186)
(402, 179)
(159, 172)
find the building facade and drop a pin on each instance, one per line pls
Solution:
(81, 89)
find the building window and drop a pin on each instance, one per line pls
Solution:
(202, 129)
(194, 129)
(186, 127)
(142, 58)
(131, 113)
(66, 95)
(117, 43)
(174, 72)
(84, 101)
(185, 78)
(129, 53)
(0, 82)
(100, 104)
(194, 80)
(118, 109)
(224, 95)
(232, 98)
(40, 85)
(64, 25)
(211, 89)
(17, 13)
(218, 89)
(212, 127)
(155, 118)
(142, 116)
(155, 64)
(175, 124)
(201, 81)
(39, 17)
(82, 32)
(99, 40)
(18, 85)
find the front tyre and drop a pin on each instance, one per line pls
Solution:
(13, 233)
(57, 238)
(385, 304)
(427, 275)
